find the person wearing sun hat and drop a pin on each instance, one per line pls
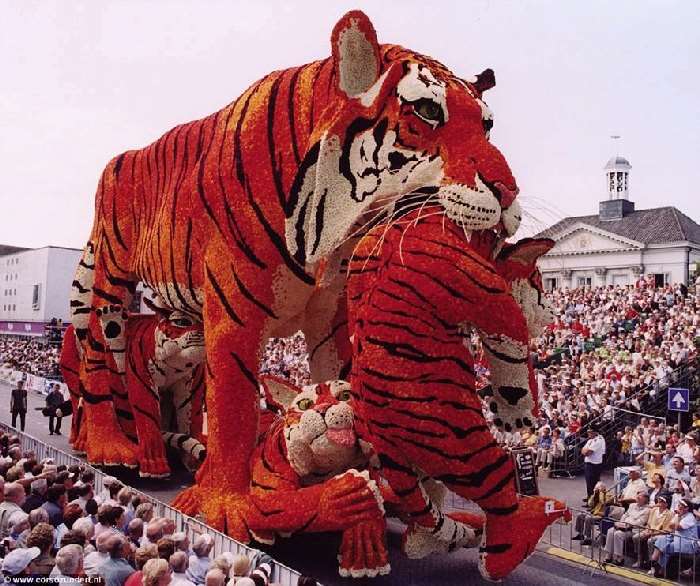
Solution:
(16, 563)
(682, 540)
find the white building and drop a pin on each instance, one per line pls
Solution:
(35, 287)
(619, 244)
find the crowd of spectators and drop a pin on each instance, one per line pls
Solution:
(31, 356)
(656, 511)
(612, 347)
(288, 358)
(54, 525)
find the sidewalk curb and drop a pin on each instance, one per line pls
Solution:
(580, 559)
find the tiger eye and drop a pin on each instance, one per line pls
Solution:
(344, 396)
(428, 110)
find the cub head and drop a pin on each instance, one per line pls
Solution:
(179, 339)
(517, 264)
(400, 129)
(319, 426)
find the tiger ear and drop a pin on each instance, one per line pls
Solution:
(526, 251)
(278, 392)
(355, 54)
(485, 80)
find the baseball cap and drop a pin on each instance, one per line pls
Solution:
(18, 559)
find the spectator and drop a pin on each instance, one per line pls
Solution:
(17, 562)
(37, 497)
(684, 527)
(71, 513)
(635, 484)
(199, 560)
(593, 452)
(134, 532)
(597, 504)
(94, 560)
(687, 449)
(637, 516)
(19, 528)
(18, 405)
(659, 522)
(85, 493)
(69, 564)
(240, 566)
(55, 501)
(156, 573)
(141, 556)
(42, 537)
(677, 473)
(14, 498)
(116, 569)
(178, 564)
(85, 527)
(215, 577)
(166, 548)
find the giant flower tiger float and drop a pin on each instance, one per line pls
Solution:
(246, 221)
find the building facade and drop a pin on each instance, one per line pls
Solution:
(35, 288)
(619, 244)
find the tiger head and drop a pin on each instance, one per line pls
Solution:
(401, 130)
(319, 427)
(517, 264)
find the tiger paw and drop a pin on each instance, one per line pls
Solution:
(510, 539)
(227, 513)
(153, 467)
(111, 450)
(508, 417)
(189, 501)
(79, 443)
(348, 499)
(363, 552)
(451, 534)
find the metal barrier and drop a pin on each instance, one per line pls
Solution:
(189, 525)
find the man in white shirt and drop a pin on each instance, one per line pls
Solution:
(635, 484)
(687, 449)
(593, 452)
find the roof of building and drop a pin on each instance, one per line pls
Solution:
(653, 226)
(6, 249)
(617, 162)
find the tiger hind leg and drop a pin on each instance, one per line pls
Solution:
(429, 529)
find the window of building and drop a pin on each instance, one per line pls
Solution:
(584, 281)
(550, 283)
(36, 293)
(14, 307)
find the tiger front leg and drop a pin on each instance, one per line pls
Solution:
(512, 403)
(234, 324)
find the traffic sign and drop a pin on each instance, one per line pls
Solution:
(678, 399)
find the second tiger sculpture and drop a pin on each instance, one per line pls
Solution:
(243, 219)
(414, 285)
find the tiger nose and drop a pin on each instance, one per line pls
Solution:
(507, 195)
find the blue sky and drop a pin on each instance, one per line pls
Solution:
(83, 81)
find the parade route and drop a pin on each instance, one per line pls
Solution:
(459, 568)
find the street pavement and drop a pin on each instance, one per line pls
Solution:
(316, 554)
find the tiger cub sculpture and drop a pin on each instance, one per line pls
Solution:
(413, 285)
(164, 386)
(304, 475)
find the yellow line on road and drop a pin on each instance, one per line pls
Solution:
(577, 558)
